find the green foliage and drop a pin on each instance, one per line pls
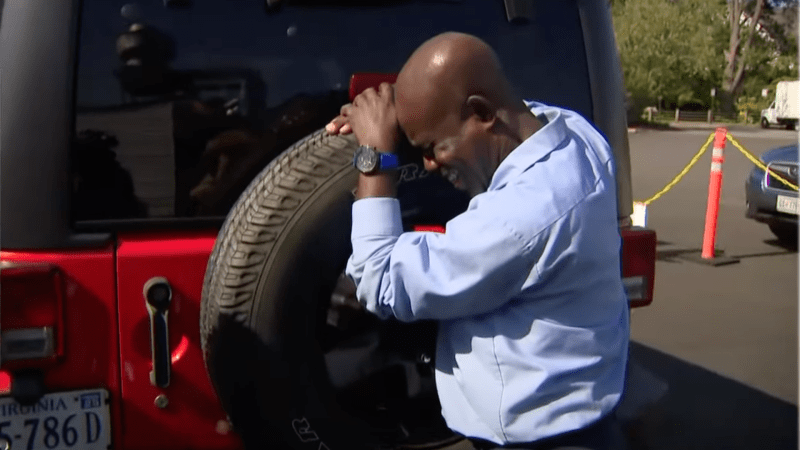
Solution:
(675, 49)
(672, 49)
(766, 66)
(749, 108)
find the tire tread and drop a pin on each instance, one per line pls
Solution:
(257, 220)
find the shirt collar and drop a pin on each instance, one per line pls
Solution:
(533, 149)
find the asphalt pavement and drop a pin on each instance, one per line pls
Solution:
(723, 340)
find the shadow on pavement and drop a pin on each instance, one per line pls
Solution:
(790, 246)
(678, 255)
(674, 255)
(759, 255)
(704, 410)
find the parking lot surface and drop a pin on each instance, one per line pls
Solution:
(724, 339)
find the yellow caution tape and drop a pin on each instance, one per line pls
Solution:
(682, 172)
(758, 163)
(696, 158)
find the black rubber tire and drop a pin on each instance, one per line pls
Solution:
(786, 234)
(267, 286)
(764, 122)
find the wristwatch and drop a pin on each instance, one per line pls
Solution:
(369, 160)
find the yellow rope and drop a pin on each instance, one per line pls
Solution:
(682, 172)
(758, 163)
(696, 158)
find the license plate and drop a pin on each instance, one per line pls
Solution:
(64, 420)
(787, 205)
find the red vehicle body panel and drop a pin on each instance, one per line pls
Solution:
(91, 348)
(193, 418)
(106, 329)
(41, 286)
(116, 347)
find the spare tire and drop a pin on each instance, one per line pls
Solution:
(291, 367)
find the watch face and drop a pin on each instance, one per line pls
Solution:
(366, 159)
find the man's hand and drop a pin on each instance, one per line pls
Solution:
(340, 124)
(371, 117)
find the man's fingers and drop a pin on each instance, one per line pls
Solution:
(339, 125)
(369, 99)
(335, 125)
(386, 89)
(366, 97)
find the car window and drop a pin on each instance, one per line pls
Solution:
(177, 109)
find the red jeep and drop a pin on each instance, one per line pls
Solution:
(163, 167)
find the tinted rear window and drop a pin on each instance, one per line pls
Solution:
(165, 94)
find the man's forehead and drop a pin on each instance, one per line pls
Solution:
(419, 123)
(421, 103)
(415, 133)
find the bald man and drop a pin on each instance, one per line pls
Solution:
(525, 284)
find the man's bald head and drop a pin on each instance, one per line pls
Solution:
(450, 67)
(453, 101)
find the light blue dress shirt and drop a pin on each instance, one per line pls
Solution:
(533, 334)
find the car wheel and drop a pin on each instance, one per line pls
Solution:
(764, 122)
(294, 359)
(791, 125)
(785, 233)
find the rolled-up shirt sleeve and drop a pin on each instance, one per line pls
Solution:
(479, 264)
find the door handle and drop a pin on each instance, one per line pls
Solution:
(158, 296)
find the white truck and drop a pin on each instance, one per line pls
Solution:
(785, 110)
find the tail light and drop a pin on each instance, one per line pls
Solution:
(431, 228)
(359, 82)
(5, 382)
(31, 315)
(638, 264)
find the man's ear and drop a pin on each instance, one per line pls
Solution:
(481, 107)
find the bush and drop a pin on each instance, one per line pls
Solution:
(749, 108)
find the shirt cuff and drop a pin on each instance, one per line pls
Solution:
(376, 216)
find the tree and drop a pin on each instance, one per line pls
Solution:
(766, 53)
(671, 49)
(736, 57)
(678, 50)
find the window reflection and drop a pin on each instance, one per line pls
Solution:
(199, 99)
